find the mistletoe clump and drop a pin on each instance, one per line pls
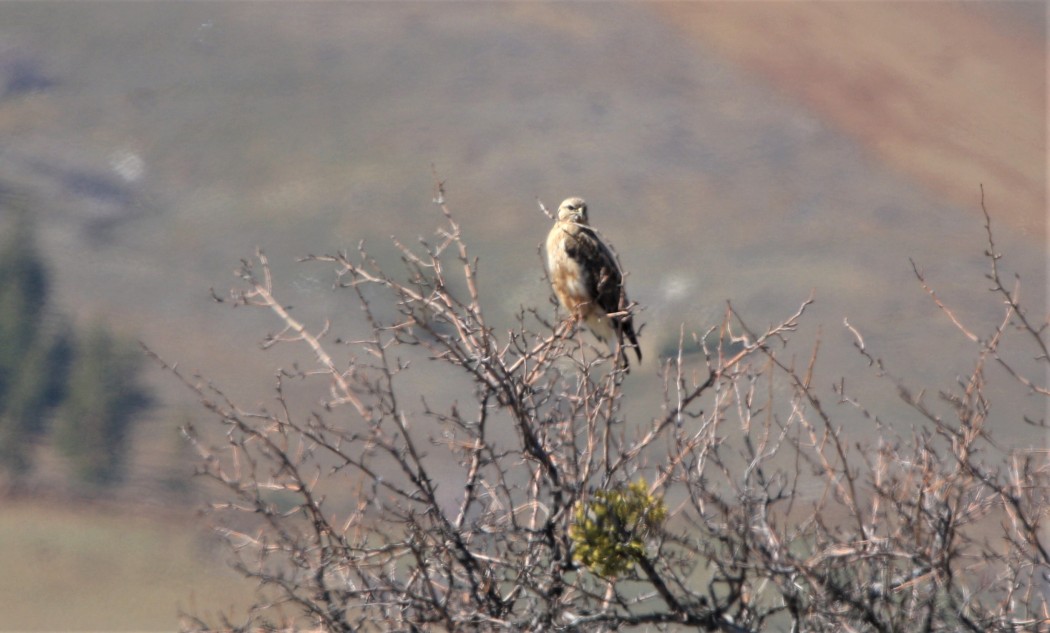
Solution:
(609, 530)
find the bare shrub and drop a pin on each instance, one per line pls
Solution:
(537, 504)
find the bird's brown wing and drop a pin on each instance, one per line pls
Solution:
(604, 279)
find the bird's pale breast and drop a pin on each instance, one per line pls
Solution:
(567, 276)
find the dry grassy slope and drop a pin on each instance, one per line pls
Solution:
(950, 93)
(305, 129)
(77, 568)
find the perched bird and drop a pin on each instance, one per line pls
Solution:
(587, 279)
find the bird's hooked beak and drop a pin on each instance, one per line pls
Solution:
(573, 210)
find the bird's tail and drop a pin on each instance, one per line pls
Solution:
(614, 331)
(628, 331)
(625, 330)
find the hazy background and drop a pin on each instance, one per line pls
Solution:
(749, 152)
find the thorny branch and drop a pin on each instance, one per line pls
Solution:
(378, 513)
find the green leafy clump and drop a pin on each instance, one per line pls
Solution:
(608, 531)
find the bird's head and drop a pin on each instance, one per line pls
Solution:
(573, 210)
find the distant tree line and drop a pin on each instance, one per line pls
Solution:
(79, 389)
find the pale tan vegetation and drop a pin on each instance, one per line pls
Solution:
(759, 511)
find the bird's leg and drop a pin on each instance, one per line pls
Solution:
(574, 320)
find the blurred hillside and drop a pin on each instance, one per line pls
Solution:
(165, 142)
(946, 93)
(743, 151)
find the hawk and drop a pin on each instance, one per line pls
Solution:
(587, 278)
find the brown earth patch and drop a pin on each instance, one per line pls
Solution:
(953, 94)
